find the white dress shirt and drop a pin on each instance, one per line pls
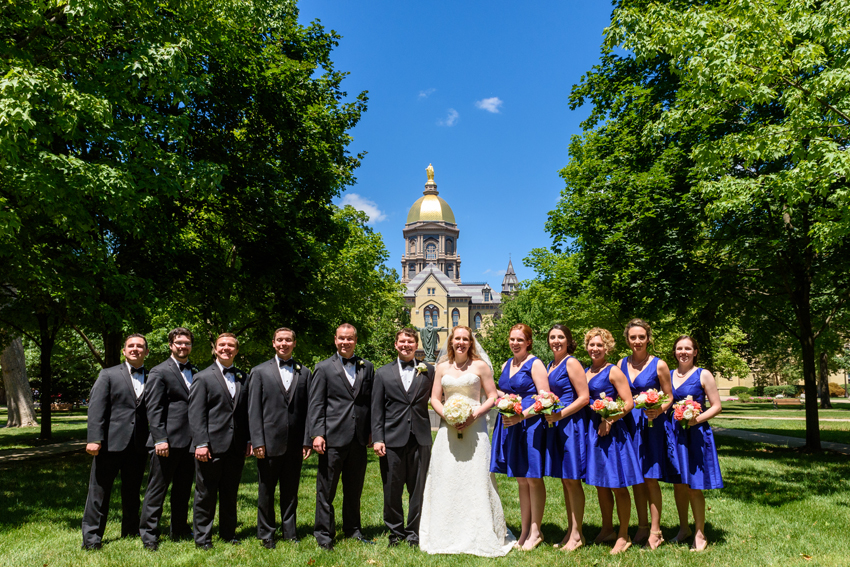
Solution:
(350, 370)
(229, 379)
(186, 373)
(285, 373)
(137, 379)
(407, 374)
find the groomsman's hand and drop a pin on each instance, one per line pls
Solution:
(380, 449)
(319, 445)
(248, 450)
(93, 448)
(260, 452)
(306, 451)
(202, 454)
(161, 449)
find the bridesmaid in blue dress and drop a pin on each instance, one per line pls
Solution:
(519, 441)
(612, 462)
(646, 372)
(566, 442)
(695, 454)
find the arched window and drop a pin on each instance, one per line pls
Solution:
(477, 319)
(432, 316)
(450, 246)
(412, 246)
(430, 251)
(455, 318)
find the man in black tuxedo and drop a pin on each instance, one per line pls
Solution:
(401, 431)
(278, 393)
(117, 438)
(172, 462)
(339, 422)
(218, 416)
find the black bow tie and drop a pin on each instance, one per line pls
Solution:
(351, 360)
(139, 370)
(231, 370)
(283, 363)
(187, 366)
(408, 364)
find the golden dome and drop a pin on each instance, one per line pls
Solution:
(430, 208)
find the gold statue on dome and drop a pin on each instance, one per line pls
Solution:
(430, 171)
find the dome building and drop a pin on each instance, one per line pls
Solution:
(430, 268)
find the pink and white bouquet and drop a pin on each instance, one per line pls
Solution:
(685, 410)
(651, 399)
(608, 407)
(457, 410)
(509, 405)
(546, 403)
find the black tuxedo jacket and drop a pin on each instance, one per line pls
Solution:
(276, 416)
(216, 419)
(116, 418)
(167, 401)
(398, 413)
(339, 412)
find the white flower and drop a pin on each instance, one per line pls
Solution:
(505, 404)
(421, 368)
(690, 398)
(546, 402)
(457, 409)
(601, 395)
(612, 405)
(641, 399)
(688, 414)
(297, 367)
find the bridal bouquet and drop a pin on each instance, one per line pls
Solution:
(546, 403)
(457, 410)
(685, 410)
(607, 407)
(509, 405)
(651, 399)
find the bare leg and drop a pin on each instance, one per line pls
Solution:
(537, 504)
(682, 495)
(569, 514)
(697, 499)
(525, 510)
(655, 537)
(641, 493)
(624, 512)
(575, 511)
(606, 508)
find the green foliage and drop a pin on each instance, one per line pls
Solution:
(756, 391)
(735, 390)
(786, 391)
(744, 397)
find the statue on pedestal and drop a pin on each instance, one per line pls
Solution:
(428, 338)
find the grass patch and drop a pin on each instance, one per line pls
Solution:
(839, 411)
(835, 431)
(67, 425)
(778, 504)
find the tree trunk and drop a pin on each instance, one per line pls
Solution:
(823, 381)
(47, 340)
(112, 346)
(21, 410)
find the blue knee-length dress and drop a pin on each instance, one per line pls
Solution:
(651, 443)
(694, 454)
(612, 461)
(518, 450)
(566, 441)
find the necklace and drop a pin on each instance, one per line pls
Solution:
(462, 366)
(597, 370)
(638, 364)
(680, 374)
(519, 362)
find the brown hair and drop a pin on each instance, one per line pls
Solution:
(604, 334)
(135, 336)
(225, 335)
(526, 332)
(281, 330)
(638, 323)
(693, 342)
(571, 342)
(346, 326)
(450, 352)
(409, 332)
(178, 332)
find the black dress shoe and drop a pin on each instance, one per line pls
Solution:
(92, 546)
(269, 543)
(327, 546)
(362, 539)
(394, 541)
(151, 545)
(291, 539)
(413, 543)
(204, 546)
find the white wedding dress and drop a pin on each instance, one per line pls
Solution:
(461, 510)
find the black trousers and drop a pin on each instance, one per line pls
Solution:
(105, 467)
(402, 467)
(348, 462)
(178, 470)
(283, 470)
(217, 480)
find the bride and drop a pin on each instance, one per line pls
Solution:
(461, 510)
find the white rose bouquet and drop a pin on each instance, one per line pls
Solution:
(546, 403)
(457, 410)
(685, 410)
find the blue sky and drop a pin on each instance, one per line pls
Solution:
(478, 89)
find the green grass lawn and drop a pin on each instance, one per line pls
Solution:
(67, 425)
(778, 505)
(839, 411)
(837, 432)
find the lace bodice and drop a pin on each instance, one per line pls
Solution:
(467, 384)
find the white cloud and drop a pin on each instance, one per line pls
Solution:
(491, 104)
(427, 92)
(450, 119)
(495, 272)
(362, 204)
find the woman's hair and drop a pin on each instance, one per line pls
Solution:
(604, 334)
(571, 342)
(638, 323)
(526, 332)
(693, 342)
(450, 352)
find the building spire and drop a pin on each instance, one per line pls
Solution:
(510, 281)
(431, 185)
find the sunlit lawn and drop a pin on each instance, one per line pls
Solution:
(778, 505)
(67, 425)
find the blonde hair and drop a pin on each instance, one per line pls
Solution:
(450, 352)
(604, 334)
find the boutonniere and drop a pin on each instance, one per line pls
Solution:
(360, 363)
(297, 367)
(242, 375)
(422, 368)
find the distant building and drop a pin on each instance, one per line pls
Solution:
(430, 267)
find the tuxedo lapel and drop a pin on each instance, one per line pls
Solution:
(296, 374)
(275, 371)
(179, 376)
(344, 377)
(236, 392)
(358, 378)
(223, 383)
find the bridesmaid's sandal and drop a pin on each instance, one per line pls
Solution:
(680, 537)
(568, 548)
(626, 545)
(607, 539)
(639, 540)
(696, 547)
(536, 543)
(660, 540)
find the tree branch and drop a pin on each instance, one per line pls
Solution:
(88, 342)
